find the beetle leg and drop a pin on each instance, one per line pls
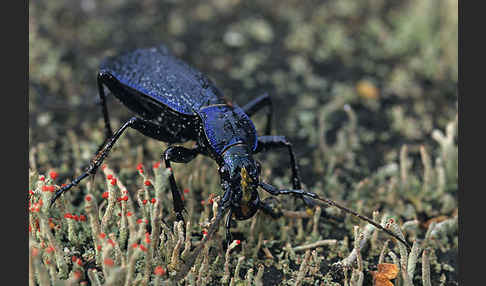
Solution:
(178, 154)
(275, 191)
(101, 92)
(258, 103)
(136, 123)
(266, 143)
(228, 226)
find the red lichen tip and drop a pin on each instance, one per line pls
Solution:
(35, 251)
(110, 241)
(186, 191)
(144, 202)
(109, 177)
(82, 217)
(53, 175)
(143, 248)
(129, 214)
(103, 166)
(50, 249)
(147, 183)
(74, 258)
(139, 166)
(238, 242)
(109, 262)
(105, 195)
(159, 271)
(113, 181)
(88, 198)
(42, 178)
(75, 217)
(47, 188)
(203, 202)
(102, 235)
(156, 165)
(68, 215)
(153, 200)
(139, 221)
(135, 245)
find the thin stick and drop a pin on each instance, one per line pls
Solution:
(189, 262)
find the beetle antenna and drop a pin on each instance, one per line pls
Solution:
(370, 221)
(274, 191)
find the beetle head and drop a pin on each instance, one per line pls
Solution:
(240, 177)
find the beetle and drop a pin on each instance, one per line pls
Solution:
(175, 103)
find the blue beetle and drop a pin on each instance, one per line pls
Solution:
(175, 103)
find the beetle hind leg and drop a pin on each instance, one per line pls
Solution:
(257, 104)
(104, 109)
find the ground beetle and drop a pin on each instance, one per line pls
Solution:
(175, 103)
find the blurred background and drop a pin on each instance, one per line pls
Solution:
(353, 82)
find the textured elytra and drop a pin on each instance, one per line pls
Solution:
(158, 74)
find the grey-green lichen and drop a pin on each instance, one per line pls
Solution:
(366, 91)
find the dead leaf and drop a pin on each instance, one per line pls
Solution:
(366, 89)
(386, 272)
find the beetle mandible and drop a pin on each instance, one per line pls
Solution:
(175, 103)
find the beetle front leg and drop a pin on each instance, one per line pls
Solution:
(306, 196)
(228, 226)
(178, 154)
(266, 143)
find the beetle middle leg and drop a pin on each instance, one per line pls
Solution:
(228, 226)
(178, 154)
(257, 104)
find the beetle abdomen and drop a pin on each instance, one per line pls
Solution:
(158, 74)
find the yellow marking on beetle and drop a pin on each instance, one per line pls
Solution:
(309, 211)
(245, 184)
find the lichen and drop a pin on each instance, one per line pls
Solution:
(365, 90)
